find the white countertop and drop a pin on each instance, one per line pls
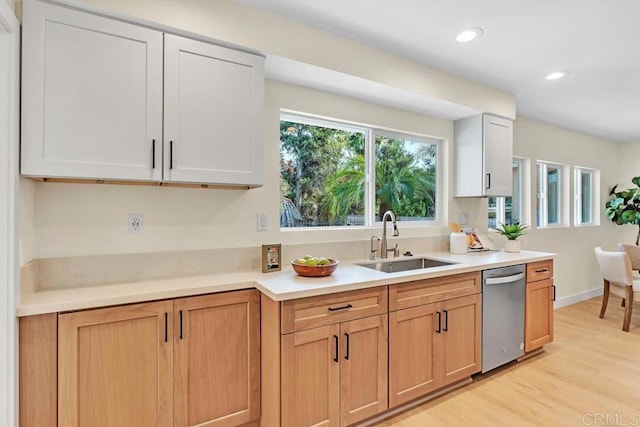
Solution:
(279, 286)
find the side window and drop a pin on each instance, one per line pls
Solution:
(509, 210)
(550, 187)
(586, 191)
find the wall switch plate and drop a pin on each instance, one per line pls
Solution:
(263, 222)
(135, 225)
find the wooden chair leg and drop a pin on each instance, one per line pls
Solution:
(605, 298)
(628, 308)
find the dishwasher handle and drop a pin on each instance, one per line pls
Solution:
(504, 279)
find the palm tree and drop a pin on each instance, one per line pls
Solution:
(399, 183)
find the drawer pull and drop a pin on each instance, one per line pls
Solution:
(166, 327)
(446, 321)
(439, 330)
(344, 307)
(542, 270)
(335, 340)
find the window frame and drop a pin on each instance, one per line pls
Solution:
(370, 133)
(523, 198)
(594, 190)
(542, 205)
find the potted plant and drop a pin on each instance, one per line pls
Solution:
(511, 232)
(624, 206)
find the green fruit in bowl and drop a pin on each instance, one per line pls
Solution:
(300, 261)
(307, 257)
(311, 261)
(323, 261)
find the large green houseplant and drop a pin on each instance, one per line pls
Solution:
(624, 206)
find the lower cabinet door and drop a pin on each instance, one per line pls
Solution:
(538, 318)
(310, 386)
(462, 334)
(413, 333)
(217, 359)
(363, 368)
(115, 367)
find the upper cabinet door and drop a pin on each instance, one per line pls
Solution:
(214, 98)
(498, 156)
(92, 96)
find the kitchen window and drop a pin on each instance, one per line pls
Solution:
(509, 210)
(335, 174)
(586, 184)
(551, 189)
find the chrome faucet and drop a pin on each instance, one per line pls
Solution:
(384, 250)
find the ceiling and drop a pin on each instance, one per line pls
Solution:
(597, 41)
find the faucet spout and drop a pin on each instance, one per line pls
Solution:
(384, 250)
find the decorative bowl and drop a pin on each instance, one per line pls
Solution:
(315, 270)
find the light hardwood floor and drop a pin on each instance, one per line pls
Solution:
(589, 375)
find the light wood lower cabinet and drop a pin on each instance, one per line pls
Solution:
(433, 345)
(115, 367)
(335, 375)
(184, 362)
(539, 297)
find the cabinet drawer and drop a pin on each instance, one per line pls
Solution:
(411, 294)
(305, 313)
(540, 270)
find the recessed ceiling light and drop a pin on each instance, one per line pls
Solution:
(469, 34)
(557, 75)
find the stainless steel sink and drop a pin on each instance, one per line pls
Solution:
(394, 266)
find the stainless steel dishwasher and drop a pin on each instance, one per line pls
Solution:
(502, 315)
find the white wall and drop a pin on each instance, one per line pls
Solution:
(575, 268)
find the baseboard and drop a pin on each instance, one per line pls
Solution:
(575, 298)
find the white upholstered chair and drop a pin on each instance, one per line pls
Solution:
(618, 279)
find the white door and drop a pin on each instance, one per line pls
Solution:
(9, 90)
(498, 156)
(92, 96)
(213, 105)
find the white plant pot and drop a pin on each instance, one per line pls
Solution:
(512, 246)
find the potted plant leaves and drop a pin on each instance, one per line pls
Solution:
(511, 232)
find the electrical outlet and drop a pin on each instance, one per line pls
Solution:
(136, 223)
(263, 221)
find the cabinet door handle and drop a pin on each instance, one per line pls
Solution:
(439, 330)
(346, 354)
(542, 270)
(554, 292)
(180, 324)
(446, 320)
(488, 181)
(335, 341)
(166, 327)
(153, 154)
(344, 307)
(170, 154)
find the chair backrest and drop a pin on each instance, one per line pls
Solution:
(634, 254)
(615, 267)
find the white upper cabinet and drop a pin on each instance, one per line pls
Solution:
(98, 93)
(483, 156)
(91, 96)
(213, 101)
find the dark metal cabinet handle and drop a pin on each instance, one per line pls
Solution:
(335, 340)
(166, 327)
(346, 354)
(488, 180)
(344, 307)
(170, 154)
(542, 270)
(554, 292)
(439, 330)
(446, 321)
(153, 154)
(180, 324)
